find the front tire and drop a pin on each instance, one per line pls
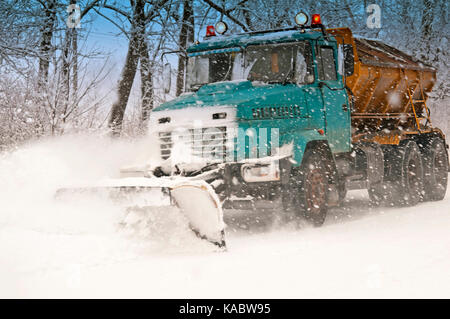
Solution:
(309, 188)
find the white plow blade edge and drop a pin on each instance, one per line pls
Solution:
(202, 207)
(197, 200)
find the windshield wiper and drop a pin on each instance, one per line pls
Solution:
(197, 87)
(285, 81)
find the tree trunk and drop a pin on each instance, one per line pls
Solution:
(65, 72)
(427, 20)
(124, 87)
(129, 70)
(191, 25)
(74, 63)
(185, 33)
(45, 46)
(146, 83)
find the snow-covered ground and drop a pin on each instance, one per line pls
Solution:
(53, 249)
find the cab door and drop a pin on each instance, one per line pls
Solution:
(278, 106)
(334, 96)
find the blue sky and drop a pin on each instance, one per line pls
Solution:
(105, 36)
(102, 35)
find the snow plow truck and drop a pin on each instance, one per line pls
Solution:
(294, 117)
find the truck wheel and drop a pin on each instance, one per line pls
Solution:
(377, 194)
(342, 190)
(386, 193)
(313, 192)
(409, 186)
(435, 164)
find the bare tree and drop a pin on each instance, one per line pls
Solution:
(227, 13)
(427, 20)
(45, 48)
(48, 85)
(139, 15)
(69, 54)
(186, 36)
(19, 35)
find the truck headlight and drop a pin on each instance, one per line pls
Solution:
(260, 172)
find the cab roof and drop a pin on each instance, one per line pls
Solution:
(254, 38)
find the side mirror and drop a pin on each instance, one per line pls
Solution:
(349, 60)
(167, 77)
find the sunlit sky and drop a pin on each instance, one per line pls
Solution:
(100, 35)
(103, 36)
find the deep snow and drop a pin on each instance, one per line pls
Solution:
(56, 249)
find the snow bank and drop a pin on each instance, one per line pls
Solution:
(360, 252)
(39, 234)
(49, 250)
(32, 174)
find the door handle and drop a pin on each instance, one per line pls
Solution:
(344, 107)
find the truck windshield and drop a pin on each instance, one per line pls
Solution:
(213, 68)
(280, 63)
(264, 63)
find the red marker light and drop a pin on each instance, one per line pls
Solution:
(316, 19)
(210, 32)
(321, 132)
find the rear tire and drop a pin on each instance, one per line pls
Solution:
(377, 194)
(409, 185)
(406, 187)
(342, 190)
(435, 163)
(386, 193)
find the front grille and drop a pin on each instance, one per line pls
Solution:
(165, 139)
(210, 143)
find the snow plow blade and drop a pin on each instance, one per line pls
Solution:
(196, 200)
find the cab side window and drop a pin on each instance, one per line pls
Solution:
(327, 64)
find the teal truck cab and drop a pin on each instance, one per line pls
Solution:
(268, 117)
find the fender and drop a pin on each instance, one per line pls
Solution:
(322, 146)
(301, 140)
